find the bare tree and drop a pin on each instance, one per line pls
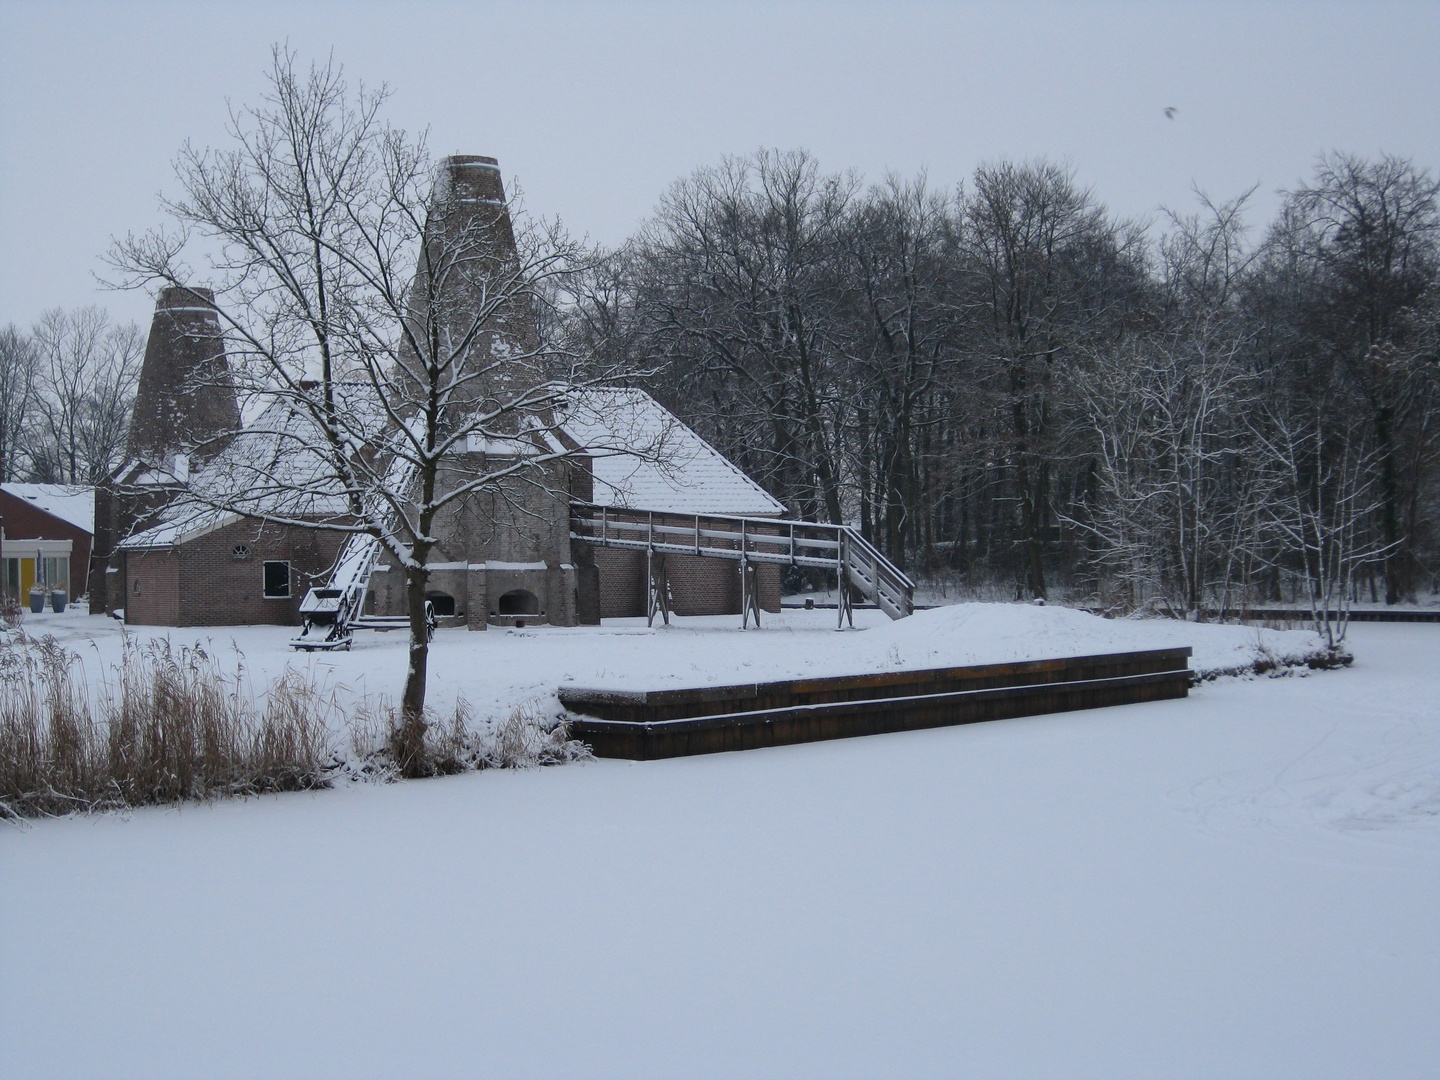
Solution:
(1329, 492)
(1355, 263)
(734, 284)
(906, 313)
(1050, 274)
(1174, 514)
(1178, 495)
(387, 306)
(18, 363)
(82, 403)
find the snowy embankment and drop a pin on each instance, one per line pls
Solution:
(501, 670)
(1239, 885)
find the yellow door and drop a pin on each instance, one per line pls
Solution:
(27, 578)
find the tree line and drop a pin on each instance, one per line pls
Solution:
(1005, 382)
(1001, 382)
(66, 389)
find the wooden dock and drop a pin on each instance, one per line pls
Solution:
(646, 724)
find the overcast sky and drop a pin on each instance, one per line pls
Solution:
(596, 108)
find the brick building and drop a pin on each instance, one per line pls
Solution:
(46, 533)
(504, 552)
(196, 565)
(509, 554)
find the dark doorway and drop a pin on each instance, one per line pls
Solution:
(443, 603)
(519, 602)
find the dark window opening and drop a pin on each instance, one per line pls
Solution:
(442, 603)
(277, 581)
(519, 602)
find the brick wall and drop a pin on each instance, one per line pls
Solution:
(212, 587)
(698, 586)
(118, 515)
(152, 588)
(622, 582)
(23, 520)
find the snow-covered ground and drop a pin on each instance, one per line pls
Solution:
(1241, 884)
(500, 669)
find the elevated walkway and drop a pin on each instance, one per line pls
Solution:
(859, 567)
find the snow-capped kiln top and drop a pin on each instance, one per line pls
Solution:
(64, 501)
(473, 178)
(185, 401)
(646, 459)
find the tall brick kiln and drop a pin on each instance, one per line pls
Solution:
(185, 413)
(505, 551)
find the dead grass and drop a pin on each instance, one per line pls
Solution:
(528, 737)
(388, 745)
(171, 726)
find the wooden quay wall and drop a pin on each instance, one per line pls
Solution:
(648, 724)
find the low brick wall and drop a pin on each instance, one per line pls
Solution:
(698, 586)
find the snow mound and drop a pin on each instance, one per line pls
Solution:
(1000, 633)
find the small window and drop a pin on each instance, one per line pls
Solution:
(136, 589)
(277, 581)
(240, 551)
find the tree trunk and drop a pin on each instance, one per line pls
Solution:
(407, 744)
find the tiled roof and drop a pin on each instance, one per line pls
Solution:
(64, 501)
(274, 467)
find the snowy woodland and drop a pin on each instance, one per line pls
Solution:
(1004, 386)
(1001, 382)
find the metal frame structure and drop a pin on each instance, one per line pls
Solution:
(858, 566)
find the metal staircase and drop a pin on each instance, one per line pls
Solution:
(331, 613)
(859, 567)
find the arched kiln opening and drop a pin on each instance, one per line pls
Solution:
(519, 602)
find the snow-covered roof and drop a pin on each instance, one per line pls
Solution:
(64, 501)
(646, 459)
(273, 468)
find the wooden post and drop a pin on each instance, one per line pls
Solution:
(843, 610)
(657, 589)
(749, 594)
(650, 572)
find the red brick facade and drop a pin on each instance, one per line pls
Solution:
(697, 586)
(23, 520)
(210, 581)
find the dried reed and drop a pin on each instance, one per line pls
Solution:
(172, 726)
